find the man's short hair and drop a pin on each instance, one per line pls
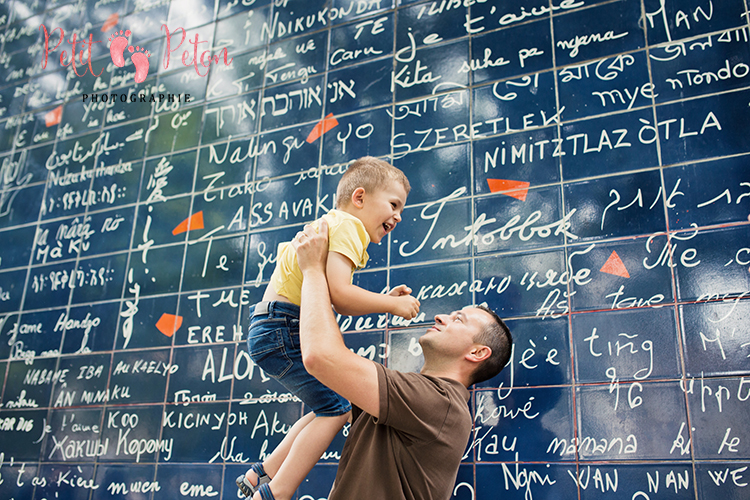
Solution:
(497, 337)
(370, 173)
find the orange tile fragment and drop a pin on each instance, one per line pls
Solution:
(614, 265)
(195, 221)
(168, 324)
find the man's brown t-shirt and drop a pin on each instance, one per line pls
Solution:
(413, 450)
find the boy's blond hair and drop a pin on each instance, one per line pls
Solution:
(370, 173)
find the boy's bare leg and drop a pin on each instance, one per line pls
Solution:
(306, 449)
(273, 462)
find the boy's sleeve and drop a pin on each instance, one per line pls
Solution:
(350, 240)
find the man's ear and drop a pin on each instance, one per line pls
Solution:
(479, 353)
(358, 197)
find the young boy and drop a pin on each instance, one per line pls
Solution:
(369, 200)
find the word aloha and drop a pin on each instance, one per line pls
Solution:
(80, 52)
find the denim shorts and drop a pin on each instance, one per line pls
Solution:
(273, 344)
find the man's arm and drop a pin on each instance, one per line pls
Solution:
(324, 353)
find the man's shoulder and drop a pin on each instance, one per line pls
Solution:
(417, 380)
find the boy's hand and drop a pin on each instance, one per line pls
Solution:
(405, 306)
(400, 290)
(312, 247)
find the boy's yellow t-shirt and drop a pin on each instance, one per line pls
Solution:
(346, 235)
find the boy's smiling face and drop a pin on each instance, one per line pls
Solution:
(380, 210)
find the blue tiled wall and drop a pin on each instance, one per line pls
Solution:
(582, 167)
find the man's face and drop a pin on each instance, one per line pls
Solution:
(382, 210)
(454, 333)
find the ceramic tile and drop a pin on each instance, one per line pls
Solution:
(205, 373)
(541, 354)
(447, 117)
(146, 323)
(702, 128)
(292, 103)
(50, 474)
(18, 248)
(516, 105)
(241, 30)
(699, 197)
(357, 135)
(433, 231)
(620, 275)
(429, 70)
(128, 424)
(714, 407)
(436, 173)
(243, 75)
(687, 69)
(211, 264)
(523, 157)
(424, 25)
(608, 145)
(212, 316)
(282, 152)
(715, 340)
(666, 23)
(231, 118)
(361, 41)
(144, 373)
(440, 289)
(519, 218)
(89, 328)
(356, 87)
(125, 479)
(616, 83)
(13, 289)
(86, 383)
(253, 428)
(346, 10)
(639, 344)
(599, 31)
(637, 478)
(522, 284)
(507, 52)
(624, 416)
(61, 423)
(551, 480)
(529, 421)
(707, 487)
(227, 8)
(303, 57)
(712, 264)
(21, 395)
(607, 207)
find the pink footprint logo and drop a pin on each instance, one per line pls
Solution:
(140, 59)
(117, 47)
(118, 42)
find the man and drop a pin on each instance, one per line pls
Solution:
(409, 430)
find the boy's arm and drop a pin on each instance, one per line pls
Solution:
(351, 300)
